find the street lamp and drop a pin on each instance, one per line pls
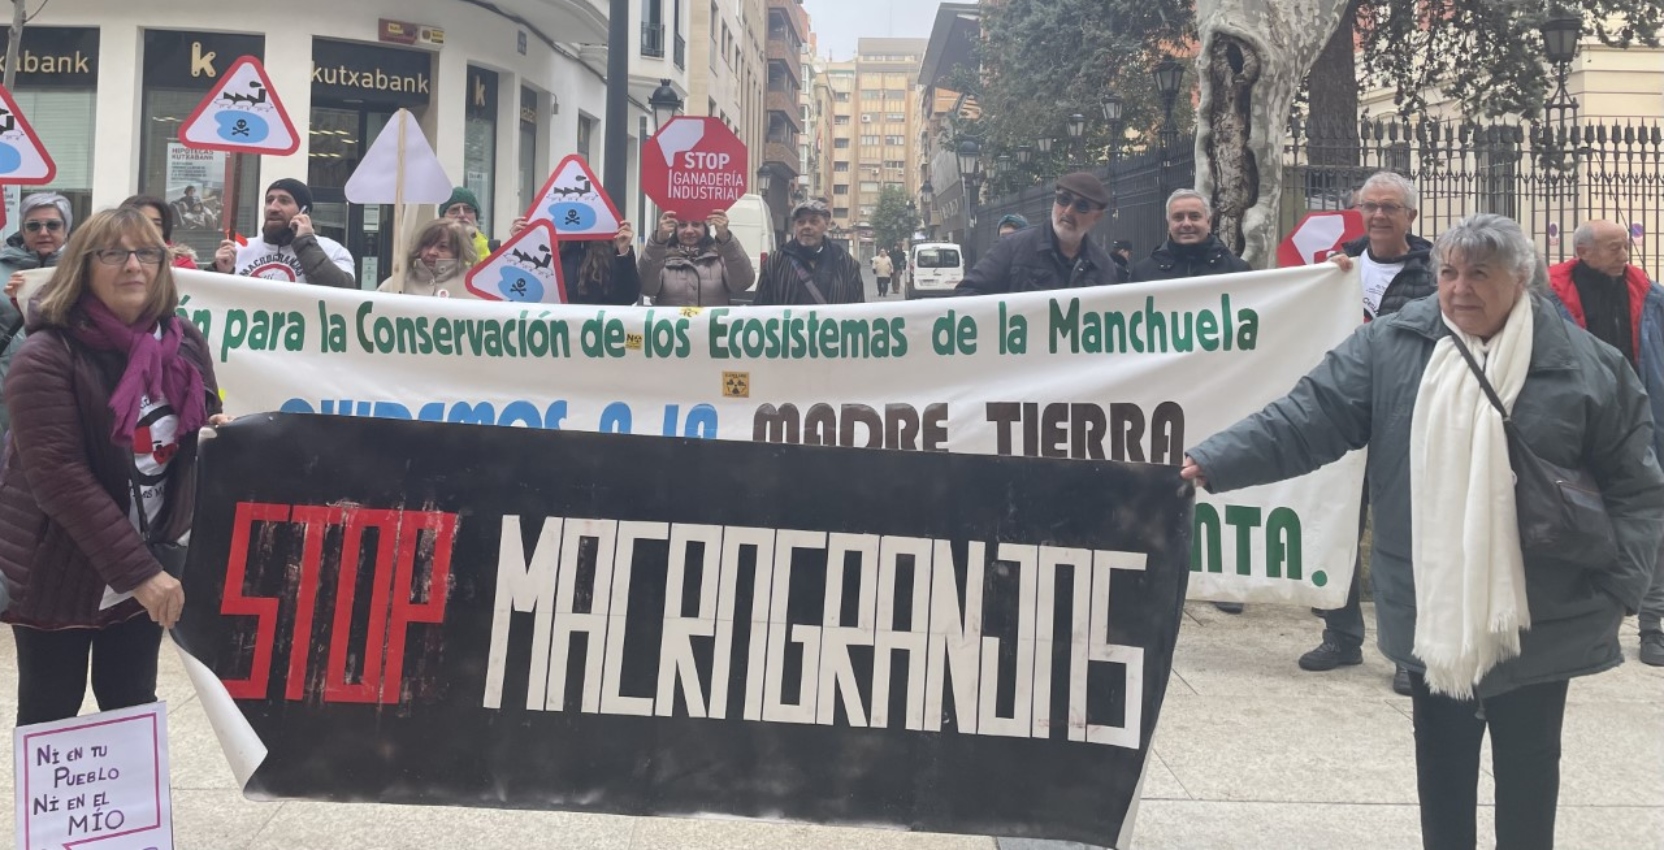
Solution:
(765, 179)
(1045, 143)
(1169, 74)
(1024, 154)
(970, 153)
(665, 103)
(1562, 31)
(927, 193)
(1077, 126)
(1113, 105)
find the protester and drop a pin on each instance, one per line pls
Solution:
(898, 262)
(287, 248)
(1010, 224)
(1191, 249)
(1490, 634)
(110, 390)
(1393, 265)
(1121, 252)
(694, 263)
(1612, 299)
(37, 244)
(160, 213)
(1057, 254)
(597, 272)
(882, 268)
(810, 269)
(438, 262)
(464, 206)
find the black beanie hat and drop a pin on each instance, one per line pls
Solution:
(296, 189)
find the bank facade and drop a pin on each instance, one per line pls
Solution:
(503, 90)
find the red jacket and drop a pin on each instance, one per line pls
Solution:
(65, 495)
(1560, 278)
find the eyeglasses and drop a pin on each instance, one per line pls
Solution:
(1369, 208)
(1069, 200)
(118, 256)
(51, 224)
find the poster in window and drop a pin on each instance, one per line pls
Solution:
(196, 187)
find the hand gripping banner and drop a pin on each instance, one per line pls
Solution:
(409, 612)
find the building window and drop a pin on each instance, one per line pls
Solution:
(586, 132)
(173, 86)
(652, 29)
(840, 188)
(895, 140)
(895, 94)
(61, 105)
(894, 163)
(840, 121)
(840, 212)
(528, 147)
(869, 94)
(840, 168)
(840, 144)
(479, 141)
(869, 140)
(895, 116)
(841, 96)
(869, 186)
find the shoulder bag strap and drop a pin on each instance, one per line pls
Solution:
(807, 280)
(1479, 373)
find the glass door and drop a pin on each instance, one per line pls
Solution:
(340, 135)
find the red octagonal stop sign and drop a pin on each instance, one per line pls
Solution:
(1318, 236)
(694, 166)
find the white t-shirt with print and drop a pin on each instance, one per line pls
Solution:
(1376, 278)
(258, 259)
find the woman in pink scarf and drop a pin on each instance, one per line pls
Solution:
(107, 395)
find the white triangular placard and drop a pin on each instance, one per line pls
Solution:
(23, 159)
(573, 201)
(526, 269)
(242, 115)
(375, 180)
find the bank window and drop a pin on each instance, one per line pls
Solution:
(479, 141)
(529, 121)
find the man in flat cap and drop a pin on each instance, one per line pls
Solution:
(1057, 254)
(1191, 249)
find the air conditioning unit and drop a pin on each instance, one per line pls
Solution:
(866, 119)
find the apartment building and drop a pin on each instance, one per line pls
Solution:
(729, 66)
(885, 118)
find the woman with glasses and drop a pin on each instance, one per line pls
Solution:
(46, 219)
(160, 213)
(108, 393)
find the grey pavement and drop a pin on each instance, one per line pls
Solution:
(1251, 752)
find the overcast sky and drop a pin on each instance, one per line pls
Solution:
(839, 23)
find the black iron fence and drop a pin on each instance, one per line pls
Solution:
(1548, 179)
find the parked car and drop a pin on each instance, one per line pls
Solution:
(934, 269)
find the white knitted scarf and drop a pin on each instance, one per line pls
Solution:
(1469, 572)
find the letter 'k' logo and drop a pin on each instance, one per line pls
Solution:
(479, 91)
(202, 63)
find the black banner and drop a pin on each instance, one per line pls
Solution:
(427, 613)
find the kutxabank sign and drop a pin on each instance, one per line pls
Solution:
(511, 618)
(1134, 372)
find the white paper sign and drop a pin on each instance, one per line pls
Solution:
(376, 180)
(99, 781)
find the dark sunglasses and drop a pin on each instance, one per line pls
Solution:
(53, 225)
(1071, 200)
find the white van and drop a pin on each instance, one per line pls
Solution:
(752, 222)
(934, 268)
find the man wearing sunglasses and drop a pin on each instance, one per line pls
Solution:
(46, 219)
(1057, 254)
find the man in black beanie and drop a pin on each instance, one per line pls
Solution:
(287, 248)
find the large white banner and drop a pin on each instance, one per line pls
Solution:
(1135, 372)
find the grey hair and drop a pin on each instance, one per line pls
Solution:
(1584, 235)
(1181, 194)
(1394, 180)
(46, 199)
(1494, 238)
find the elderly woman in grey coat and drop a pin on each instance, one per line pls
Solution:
(694, 263)
(1490, 633)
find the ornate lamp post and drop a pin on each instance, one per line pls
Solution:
(665, 103)
(1561, 33)
(1077, 130)
(1169, 74)
(970, 171)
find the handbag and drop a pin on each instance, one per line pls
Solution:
(1562, 516)
(169, 554)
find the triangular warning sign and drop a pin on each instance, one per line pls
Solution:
(376, 179)
(574, 202)
(23, 159)
(525, 269)
(242, 115)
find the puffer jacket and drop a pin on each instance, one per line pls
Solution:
(707, 279)
(1646, 299)
(67, 489)
(1173, 262)
(1028, 261)
(15, 258)
(1413, 281)
(1581, 405)
(445, 280)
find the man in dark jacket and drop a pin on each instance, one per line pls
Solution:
(1056, 254)
(810, 269)
(1191, 249)
(1394, 268)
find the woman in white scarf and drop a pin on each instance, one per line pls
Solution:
(1491, 634)
(438, 262)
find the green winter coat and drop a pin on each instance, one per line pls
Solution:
(1581, 405)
